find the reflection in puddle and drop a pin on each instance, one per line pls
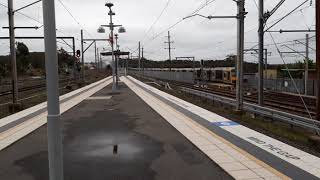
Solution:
(102, 146)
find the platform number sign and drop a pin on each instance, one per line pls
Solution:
(225, 123)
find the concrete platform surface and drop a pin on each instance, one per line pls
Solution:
(148, 146)
(240, 151)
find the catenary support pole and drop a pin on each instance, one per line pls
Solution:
(266, 63)
(142, 60)
(127, 64)
(169, 49)
(82, 57)
(306, 71)
(318, 57)
(98, 59)
(54, 122)
(95, 54)
(261, 54)
(139, 58)
(240, 47)
(13, 59)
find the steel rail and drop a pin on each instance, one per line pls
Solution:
(262, 111)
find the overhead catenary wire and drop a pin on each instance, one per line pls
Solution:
(249, 29)
(157, 19)
(288, 14)
(40, 23)
(73, 17)
(179, 21)
(287, 68)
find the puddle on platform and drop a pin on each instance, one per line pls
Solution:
(103, 146)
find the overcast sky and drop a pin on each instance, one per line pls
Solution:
(196, 36)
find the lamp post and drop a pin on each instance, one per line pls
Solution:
(117, 59)
(111, 26)
(121, 30)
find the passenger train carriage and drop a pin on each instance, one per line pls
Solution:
(225, 75)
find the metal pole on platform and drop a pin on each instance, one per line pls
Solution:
(306, 71)
(142, 60)
(139, 58)
(266, 63)
(117, 60)
(318, 57)
(54, 122)
(240, 42)
(111, 26)
(82, 57)
(261, 54)
(127, 64)
(95, 54)
(13, 53)
(98, 59)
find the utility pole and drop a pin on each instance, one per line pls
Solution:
(54, 121)
(261, 54)
(318, 57)
(169, 48)
(306, 71)
(142, 60)
(139, 58)
(82, 57)
(13, 55)
(142, 52)
(98, 60)
(240, 42)
(95, 53)
(266, 63)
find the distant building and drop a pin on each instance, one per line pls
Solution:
(270, 74)
(267, 74)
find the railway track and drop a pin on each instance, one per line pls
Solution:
(40, 86)
(284, 102)
(272, 100)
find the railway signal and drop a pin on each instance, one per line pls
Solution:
(78, 54)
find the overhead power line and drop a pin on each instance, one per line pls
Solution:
(287, 68)
(31, 18)
(69, 12)
(157, 19)
(179, 21)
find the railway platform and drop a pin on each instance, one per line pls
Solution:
(144, 133)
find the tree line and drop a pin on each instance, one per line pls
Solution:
(32, 63)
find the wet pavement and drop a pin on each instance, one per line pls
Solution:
(112, 136)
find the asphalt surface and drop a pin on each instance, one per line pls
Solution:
(147, 146)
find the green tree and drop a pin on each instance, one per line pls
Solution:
(22, 57)
(22, 49)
